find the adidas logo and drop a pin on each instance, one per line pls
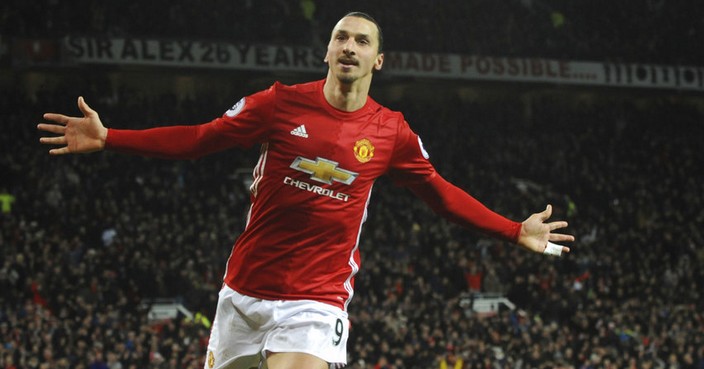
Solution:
(300, 131)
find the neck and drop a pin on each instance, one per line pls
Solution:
(346, 96)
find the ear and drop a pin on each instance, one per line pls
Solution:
(327, 55)
(379, 61)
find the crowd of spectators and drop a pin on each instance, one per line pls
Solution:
(87, 240)
(652, 31)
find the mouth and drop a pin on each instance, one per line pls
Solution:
(348, 62)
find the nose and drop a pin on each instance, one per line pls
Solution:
(348, 47)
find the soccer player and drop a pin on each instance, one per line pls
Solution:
(290, 275)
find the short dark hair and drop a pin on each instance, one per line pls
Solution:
(371, 19)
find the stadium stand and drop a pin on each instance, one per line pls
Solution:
(85, 241)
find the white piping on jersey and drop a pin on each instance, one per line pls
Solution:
(246, 224)
(258, 172)
(352, 263)
(257, 175)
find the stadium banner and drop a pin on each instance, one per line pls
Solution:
(189, 53)
(225, 55)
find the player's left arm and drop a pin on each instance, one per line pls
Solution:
(534, 233)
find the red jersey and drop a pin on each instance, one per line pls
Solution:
(311, 185)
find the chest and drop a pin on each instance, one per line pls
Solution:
(318, 142)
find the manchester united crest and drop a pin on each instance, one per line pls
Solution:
(363, 150)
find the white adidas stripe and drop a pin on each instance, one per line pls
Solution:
(300, 131)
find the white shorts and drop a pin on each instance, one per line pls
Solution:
(245, 329)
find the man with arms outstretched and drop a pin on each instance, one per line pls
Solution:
(290, 275)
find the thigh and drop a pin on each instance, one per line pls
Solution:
(245, 362)
(235, 340)
(294, 360)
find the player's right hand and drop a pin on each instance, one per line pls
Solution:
(76, 134)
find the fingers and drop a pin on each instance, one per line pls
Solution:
(545, 214)
(555, 250)
(559, 237)
(60, 151)
(60, 140)
(85, 109)
(63, 119)
(58, 118)
(52, 128)
(557, 225)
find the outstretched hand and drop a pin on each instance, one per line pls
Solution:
(76, 134)
(536, 232)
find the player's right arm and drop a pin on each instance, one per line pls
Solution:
(88, 134)
(240, 128)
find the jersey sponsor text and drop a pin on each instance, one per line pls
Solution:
(316, 189)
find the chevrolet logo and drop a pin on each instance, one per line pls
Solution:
(323, 170)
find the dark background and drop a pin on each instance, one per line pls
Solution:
(622, 165)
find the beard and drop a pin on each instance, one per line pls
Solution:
(349, 76)
(346, 78)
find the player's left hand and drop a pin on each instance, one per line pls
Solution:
(537, 233)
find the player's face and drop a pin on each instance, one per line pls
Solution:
(353, 51)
